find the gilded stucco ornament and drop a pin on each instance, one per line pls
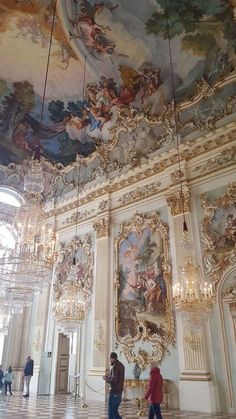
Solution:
(130, 118)
(218, 232)
(148, 322)
(101, 227)
(176, 176)
(139, 193)
(229, 296)
(174, 201)
(81, 215)
(225, 158)
(79, 255)
(103, 205)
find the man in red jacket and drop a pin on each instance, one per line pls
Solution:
(154, 392)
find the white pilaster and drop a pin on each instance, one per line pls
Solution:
(100, 341)
(196, 389)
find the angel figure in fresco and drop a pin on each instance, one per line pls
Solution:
(101, 100)
(145, 81)
(230, 229)
(86, 27)
(150, 80)
(73, 126)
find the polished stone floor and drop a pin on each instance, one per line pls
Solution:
(66, 407)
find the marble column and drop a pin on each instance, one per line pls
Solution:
(17, 345)
(38, 335)
(100, 351)
(196, 388)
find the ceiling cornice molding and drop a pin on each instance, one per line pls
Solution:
(194, 155)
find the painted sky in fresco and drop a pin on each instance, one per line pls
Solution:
(126, 45)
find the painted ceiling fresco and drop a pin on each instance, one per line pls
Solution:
(126, 45)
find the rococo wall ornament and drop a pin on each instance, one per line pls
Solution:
(73, 283)
(143, 289)
(219, 232)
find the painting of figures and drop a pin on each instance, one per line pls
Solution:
(126, 45)
(75, 255)
(142, 285)
(224, 228)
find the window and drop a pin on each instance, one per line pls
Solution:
(10, 197)
(7, 236)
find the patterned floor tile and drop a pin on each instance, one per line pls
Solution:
(65, 407)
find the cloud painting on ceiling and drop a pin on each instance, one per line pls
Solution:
(126, 45)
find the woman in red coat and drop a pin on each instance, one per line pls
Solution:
(154, 392)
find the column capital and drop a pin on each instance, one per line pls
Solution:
(177, 203)
(101, 227)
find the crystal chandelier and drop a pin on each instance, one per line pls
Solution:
(71, 307)
(71, 303)
(25, 270)
(193, 297)
(34, 180)
(5, 315)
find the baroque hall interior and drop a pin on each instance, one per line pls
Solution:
(117, 205)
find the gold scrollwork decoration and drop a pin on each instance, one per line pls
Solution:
(101, 227)
(143, 310)
(219, 241)
(67, 257)
(179, 201)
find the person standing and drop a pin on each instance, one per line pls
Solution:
(8, 378)
(154, 393)
(116, 381)
(28, 373)
(1, 378)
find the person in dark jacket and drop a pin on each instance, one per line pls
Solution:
(116, 381)
(28, 373)
(8, 378)
(1, 377)
(154, 393)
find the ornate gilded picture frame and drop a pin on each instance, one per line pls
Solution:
(218, 228)
(143, 289)
(78, 254)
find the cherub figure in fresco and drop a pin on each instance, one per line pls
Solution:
(64, 55)
(87, 28)
(145, 81)
(101, 44)
(230, 228)
(108, 89)
(100, 101)
(150, 80)
(131, 83)
(30, 27)
(89, 12)
(75, 123)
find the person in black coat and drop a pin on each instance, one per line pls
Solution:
(28, 373)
